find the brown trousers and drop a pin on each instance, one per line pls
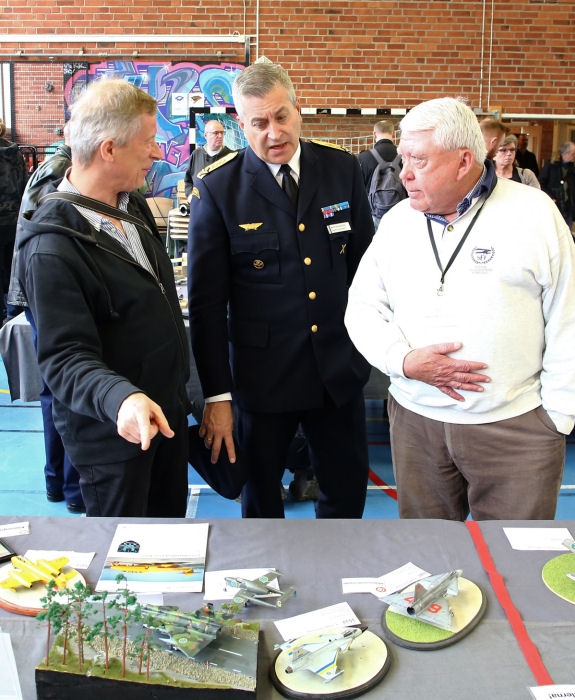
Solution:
(506, 470)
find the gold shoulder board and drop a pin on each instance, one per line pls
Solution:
(217, 164)
(330, 145)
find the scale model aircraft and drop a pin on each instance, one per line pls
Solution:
(187, 632)
(144, 568)
(27, 572)
(321, 657)
(258, 590)
(570, 544)
(428, 601)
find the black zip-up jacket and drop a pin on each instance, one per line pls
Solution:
(50, 170)
(107, 328)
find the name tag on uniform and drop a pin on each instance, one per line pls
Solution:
(338, 228)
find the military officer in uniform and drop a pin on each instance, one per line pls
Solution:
(276, 234)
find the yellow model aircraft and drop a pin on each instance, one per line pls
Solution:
(143, 568)
(27, 572)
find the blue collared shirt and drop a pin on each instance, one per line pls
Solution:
(482, 186)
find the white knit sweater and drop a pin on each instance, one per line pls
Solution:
(509, 297)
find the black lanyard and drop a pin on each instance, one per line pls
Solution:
(455, 252)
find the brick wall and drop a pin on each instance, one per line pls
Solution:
(351, 53)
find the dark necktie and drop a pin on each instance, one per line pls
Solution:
(289, 185)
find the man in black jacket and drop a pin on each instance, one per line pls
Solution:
(62, 479)
(558, 180)
(12, 183)
(111, 341)
(383, 144)
(207, 154)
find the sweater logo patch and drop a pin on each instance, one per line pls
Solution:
(482, 256)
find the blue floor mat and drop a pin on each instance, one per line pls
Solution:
(22, 489)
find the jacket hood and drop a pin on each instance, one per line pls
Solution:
(55, 216)
(8, 150)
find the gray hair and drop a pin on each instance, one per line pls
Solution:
(258, 80)
(108, 109)
(510, 138)
(453, 123)
(2, 128)
(565, 147)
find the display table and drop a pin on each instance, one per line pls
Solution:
(315, 555)
(19, 357)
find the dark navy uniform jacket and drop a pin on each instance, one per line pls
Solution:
(274, 283)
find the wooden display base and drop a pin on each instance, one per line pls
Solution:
(555, 577)
(364, 665)
(26, 601)
(468, 607)
(57, 685)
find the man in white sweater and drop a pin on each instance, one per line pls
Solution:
(466, 299)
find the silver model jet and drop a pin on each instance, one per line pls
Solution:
(428, 601)
(258, 590)
(321, 657)
(570, 544)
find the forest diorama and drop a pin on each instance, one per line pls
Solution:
(111, 635)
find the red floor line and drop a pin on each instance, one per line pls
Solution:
(529, 649)
(380, 482)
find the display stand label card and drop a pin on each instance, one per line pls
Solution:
(12, 529)
(391, 582)
(76, 560)
(339, 615)
(534, 538)
(552, 692)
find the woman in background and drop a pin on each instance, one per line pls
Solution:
(506, 165)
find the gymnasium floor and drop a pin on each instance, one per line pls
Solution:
(22, 490)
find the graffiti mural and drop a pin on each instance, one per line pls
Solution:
(162, 80)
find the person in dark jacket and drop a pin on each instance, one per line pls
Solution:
(62, 479)
(207, 154)
(558, 180)
(111, 341)
(383, 144)
(12, 183)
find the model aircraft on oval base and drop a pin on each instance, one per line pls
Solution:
(27, 572)
(258, 590)
(321, 657)
(427, 602)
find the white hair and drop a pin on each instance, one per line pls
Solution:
(453, 123)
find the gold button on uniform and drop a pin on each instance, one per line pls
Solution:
(307, 261)
(258, 264)
(312, 295)
(450, 227)
(314, 328)
(301, 227)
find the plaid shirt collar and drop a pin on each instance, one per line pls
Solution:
(484, 185)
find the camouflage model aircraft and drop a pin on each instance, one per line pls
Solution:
(187, 632)
(258, 590)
